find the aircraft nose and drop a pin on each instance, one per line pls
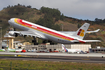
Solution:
(11, 20)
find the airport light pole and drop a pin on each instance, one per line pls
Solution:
(1, 38)
(61, 26)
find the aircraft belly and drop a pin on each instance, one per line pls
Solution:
(58, 40)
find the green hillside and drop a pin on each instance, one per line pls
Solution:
(51, 18)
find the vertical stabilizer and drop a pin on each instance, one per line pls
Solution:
(80, 33)
(64, 48)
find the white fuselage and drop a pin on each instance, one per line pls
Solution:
(74, 50)
(70, 50)
(44, 32)
(49, 34)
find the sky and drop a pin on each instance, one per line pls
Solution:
(80, 9)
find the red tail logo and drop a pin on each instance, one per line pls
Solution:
(81, 32)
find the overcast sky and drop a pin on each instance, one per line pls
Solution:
(81, 9)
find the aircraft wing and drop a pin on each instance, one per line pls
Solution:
(24, 33)
(68, 32)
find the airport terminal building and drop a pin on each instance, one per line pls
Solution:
(58, 47)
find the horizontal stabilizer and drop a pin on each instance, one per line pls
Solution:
(93, 31)
(89, 41)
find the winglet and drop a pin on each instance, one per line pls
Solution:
(64, 48)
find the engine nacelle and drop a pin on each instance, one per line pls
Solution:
(12, 33)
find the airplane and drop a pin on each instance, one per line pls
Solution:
(38, 31)
(11, 50)
(70, 50)
(16, 50)
(2, 50)
(8, 49)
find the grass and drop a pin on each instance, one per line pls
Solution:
(47, 65)
(6, 55)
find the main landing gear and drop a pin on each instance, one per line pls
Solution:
(48, 41)
(35, 41)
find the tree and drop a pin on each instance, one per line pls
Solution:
(29, 6)
(79, 25)
(55, 13)
(62, 17)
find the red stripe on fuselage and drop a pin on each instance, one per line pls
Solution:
(43, 30)
(81, 41)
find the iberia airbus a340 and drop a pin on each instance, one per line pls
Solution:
(38, 31)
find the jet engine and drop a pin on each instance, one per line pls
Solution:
(12, 33)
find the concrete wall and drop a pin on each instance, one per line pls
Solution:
(83, 47)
